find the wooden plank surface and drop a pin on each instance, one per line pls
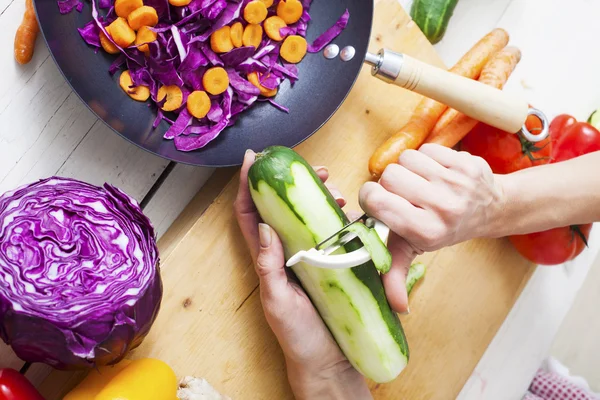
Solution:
(211, 323)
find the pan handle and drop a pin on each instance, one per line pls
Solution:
(492, 106)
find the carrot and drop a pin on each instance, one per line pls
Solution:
(106, 44)
(453, 125)
(121, 32)
(143, 16)
(139, 93)
(290, 11)
(255, 12)
(268, 3)
(26, 35)
(198, 104)
(252, 35)
(237, 32)
(124, 7)
(425, 116)
(272, 27)
(293, 49)
(253, 78)
(179, 3)
(174, 97)
(220, 40)
(215, 80)
(144, 36)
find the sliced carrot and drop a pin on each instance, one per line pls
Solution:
(428, 111)
(139, 93)
(26, 35)
(453, 126)
(293, 49)
(237, 32)
(174, 97)
(179, 3)
(268, 3)
(143, 16)
(121, 32)
(255, 12)
(215, 80)
(144, 36)
(106, 44)
(220, 40)
(290, 11)
(273, 25)
(253, 78)
(198, 104)
(124, 7)
(252, 35)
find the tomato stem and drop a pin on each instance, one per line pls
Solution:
(529, 148)
(576, 230)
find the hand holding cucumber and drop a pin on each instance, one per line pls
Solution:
(316, 367)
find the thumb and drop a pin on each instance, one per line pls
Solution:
(394, 281)
(270, 263)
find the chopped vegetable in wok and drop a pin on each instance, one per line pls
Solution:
(206, 61)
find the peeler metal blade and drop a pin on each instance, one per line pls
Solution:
(322, 256)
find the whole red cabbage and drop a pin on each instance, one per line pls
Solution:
(79, 273)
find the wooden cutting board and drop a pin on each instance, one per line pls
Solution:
(211, 322)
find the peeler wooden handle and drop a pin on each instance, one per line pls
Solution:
(492, 106)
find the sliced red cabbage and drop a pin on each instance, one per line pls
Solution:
(330, 34)
(269, 81)
(179, 43)
(240, 84)
(66, 6)
(252, 65)
(216, 9)
(181, 123)
(278, 106)
(161, 6)
(231, 12)
(104, 3)
(211, 55)
(116, 64)
(80, 273)
(90, 33)
(237, 56)
(194, 142)
(215, 113)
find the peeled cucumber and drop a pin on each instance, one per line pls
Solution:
(291, 198)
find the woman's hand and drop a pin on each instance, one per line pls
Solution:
(432, 198)
(316, 367)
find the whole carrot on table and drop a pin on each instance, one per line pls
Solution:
(26, 35)
(454, 125)
(425, 116)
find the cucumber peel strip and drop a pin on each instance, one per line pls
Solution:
(380, 255)
(415, 274)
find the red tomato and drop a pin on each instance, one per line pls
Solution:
(14, 386)
(559, 125)
(507, 152)
(576, 140)
(553, 247)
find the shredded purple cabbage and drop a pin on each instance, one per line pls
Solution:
(182, 54)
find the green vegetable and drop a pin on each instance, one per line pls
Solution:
(291, 198)
(415, 274)
(380, 255)
(432, 16)
(594, 119)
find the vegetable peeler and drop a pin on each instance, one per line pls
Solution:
(492, 106)
(322, 256)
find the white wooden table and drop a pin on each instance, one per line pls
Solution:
(46, 130)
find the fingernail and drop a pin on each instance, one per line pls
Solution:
(406, 312)
(264, 235)
(321, 169)
(249, 151)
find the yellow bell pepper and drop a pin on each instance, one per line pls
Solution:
(142, 379)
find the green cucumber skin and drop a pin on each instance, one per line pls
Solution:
(416, 272)
(432, 16)
(273, 166)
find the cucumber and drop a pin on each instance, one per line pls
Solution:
(432, 16)
(416, 272)
(594, 119)
(291, 198)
